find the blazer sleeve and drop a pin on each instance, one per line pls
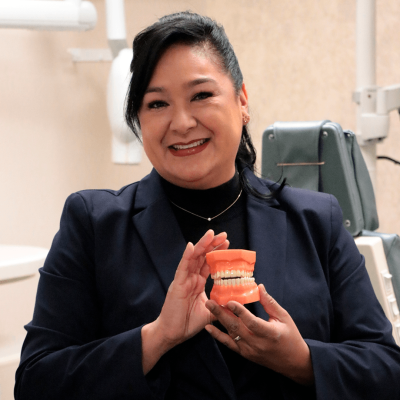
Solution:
(362, 360)
(64, 355)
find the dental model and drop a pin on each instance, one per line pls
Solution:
(232, 271)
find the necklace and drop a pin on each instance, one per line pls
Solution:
(210, 218)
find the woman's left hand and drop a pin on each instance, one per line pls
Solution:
(276, 344)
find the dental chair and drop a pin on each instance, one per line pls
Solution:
(320, 156)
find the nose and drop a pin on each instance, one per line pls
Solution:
(182, 120)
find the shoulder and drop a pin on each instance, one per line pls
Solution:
(307, 201)
(104, 197)
(94, 205)
(315, 211)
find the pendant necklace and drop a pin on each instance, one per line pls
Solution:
(210, 218)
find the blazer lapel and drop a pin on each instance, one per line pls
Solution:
(158, 228)
(267, 232)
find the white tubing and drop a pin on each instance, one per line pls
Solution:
(48, 15)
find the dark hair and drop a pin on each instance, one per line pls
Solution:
(193, 30)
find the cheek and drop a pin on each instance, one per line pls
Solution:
(152, 132)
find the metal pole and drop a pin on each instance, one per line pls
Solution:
(366, 71)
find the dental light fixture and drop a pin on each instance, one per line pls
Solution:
(48, 15)
(126, 149)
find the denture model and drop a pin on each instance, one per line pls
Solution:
(232, 271)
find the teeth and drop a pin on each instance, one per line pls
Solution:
(234, 282)
(233, 278)
(188, 146)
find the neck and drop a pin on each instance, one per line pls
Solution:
(208, 202)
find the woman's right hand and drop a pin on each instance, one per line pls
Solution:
(184, 313)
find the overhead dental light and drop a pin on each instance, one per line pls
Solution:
(48, 15)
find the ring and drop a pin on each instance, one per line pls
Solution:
(237, 338)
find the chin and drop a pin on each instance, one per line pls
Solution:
(192, 179)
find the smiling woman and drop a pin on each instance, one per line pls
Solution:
(191, 119)
(122, 309)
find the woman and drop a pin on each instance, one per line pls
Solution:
(120, 313)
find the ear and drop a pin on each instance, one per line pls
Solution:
(244, 101)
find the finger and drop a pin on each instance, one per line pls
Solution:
(270, 304)
(222, 246)
(222, 337)
(203, 243)
(218, 241)
(250, 321)
(182, 270)
(205, 271)
(226, 317)
(205, 268)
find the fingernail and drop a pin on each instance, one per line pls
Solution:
(207, 328)
(210, 306)
(263, 289)
(231, 306)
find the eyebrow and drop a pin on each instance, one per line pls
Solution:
(195, 82)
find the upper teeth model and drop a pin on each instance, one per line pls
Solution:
(232, 271)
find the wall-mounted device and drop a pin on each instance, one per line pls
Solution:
(373, 103)
(48, 15)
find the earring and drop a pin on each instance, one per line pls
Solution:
(246, 119)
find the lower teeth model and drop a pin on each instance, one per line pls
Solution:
(232, 271)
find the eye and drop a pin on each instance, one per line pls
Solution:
(202, 96)
(157, 104)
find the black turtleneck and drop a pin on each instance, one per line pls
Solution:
(208, 203)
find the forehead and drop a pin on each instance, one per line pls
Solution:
(182, 61)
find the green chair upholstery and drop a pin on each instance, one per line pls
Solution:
(320, 156)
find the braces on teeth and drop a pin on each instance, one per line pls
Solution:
(233, 282)
(232, 274)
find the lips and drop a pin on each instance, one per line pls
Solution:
(232, 271)
(188, 149)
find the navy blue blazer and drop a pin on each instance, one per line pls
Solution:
(110, 266)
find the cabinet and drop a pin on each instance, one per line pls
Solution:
(18, 284)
